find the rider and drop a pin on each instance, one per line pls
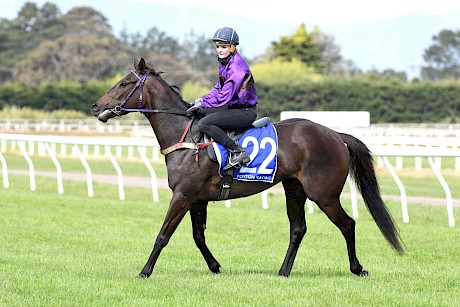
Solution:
(231, 104)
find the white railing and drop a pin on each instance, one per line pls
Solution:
(46, 126)
(29, 145)
(140, 126)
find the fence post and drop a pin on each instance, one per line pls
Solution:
(6, 183)
(153, 176)
(354, 198)
(89, 177)
(402, 190)
(22, 147)
(121, 190)
(450, 210)
(60, 186)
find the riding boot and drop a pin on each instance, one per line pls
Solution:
(238, 157)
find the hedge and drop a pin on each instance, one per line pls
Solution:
(387, 101)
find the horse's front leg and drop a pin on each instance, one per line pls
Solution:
(198, 214)
(178, 207)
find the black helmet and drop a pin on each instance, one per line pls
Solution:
(226, 35)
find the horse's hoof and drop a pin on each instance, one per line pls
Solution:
(363, 273)
(216, 271)
(283, 274)
(215, 268)
(144, 275)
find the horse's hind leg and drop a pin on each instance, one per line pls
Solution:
(295, 205)
(198, 214)
(346, 224)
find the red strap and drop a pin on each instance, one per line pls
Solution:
(186, 130)
(204, 145)
(181, 144)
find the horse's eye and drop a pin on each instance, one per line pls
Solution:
(123, 84)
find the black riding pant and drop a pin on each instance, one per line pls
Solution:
(219, 119)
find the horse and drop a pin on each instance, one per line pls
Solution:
(313, 162)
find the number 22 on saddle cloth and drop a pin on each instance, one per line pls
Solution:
(262, 146)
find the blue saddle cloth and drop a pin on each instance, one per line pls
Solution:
(262, 146)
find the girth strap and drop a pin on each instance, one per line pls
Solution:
(226, 184)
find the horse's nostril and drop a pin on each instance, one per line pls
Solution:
(95, 107)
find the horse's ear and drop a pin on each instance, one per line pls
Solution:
(141, 65)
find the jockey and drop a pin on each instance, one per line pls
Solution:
(231, 104)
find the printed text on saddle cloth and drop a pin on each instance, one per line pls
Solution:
(262, 145)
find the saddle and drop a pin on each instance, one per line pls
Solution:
(235, 135)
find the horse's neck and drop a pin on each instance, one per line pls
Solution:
(168, 128)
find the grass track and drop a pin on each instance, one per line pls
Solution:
(73, 250)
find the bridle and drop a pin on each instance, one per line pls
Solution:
(139, 84)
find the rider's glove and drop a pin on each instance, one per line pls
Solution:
(195, 108)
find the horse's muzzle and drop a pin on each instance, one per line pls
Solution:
(95, 108)
(101, 113)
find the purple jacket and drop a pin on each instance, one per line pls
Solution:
(235, 86)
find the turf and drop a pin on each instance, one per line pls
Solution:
(73, 250)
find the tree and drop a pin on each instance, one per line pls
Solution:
(302, 46)
(330, 53)
(190, 60)
(87, 50)
(443, 57)
(199, 52)
(21, 35)
(174, 72)
(155, 40)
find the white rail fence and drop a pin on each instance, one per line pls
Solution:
(31, 145)
(433, 150)
(139, 127)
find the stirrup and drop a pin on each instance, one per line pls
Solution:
(239, 160)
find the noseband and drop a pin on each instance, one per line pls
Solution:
(139, 84)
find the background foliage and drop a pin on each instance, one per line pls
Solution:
(387, 101)
(51, 61)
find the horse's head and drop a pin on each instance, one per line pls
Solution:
(126, 96)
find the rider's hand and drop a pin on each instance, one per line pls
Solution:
(196, 107)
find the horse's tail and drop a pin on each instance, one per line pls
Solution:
(363, 173)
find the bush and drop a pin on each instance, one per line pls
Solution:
(278, 72)
(280, 86)
(193, 90)
(29, 113)
(388, 101)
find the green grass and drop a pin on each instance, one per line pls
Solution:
(73, 250)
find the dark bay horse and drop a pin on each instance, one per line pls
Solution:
(313, 162)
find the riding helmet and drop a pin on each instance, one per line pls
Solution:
(226, 35)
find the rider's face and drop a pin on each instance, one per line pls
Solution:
(223, 51)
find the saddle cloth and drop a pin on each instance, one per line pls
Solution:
(262, 146)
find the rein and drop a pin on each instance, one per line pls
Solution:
(140, 84)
